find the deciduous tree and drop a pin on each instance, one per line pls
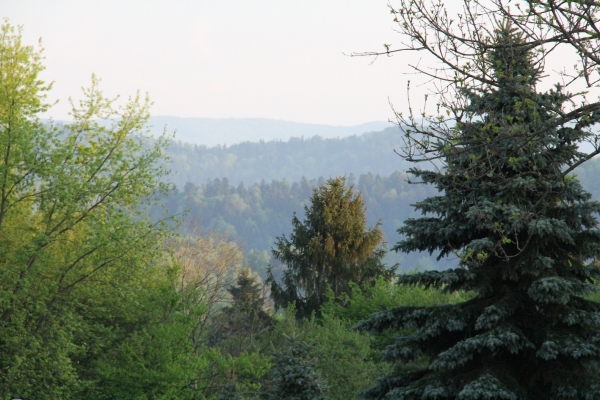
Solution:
(73, 228)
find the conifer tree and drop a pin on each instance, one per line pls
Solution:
(332, 246)
(247, 293)
(245, 318)
(230, 392)
(526, 236)
(295, 376)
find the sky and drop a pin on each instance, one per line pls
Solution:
(278, 59)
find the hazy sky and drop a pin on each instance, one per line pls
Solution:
(279, 59)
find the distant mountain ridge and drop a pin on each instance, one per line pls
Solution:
(212, 132)
(251, 162)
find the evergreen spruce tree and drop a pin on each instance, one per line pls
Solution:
(295, 376)
(247, 293)
(245, 318)
(527, 239)
(331, 247)
(230, 391)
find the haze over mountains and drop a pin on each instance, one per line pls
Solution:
(228, 131)
(252, 162)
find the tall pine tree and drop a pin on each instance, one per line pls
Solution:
(332, 246)
(526, 235)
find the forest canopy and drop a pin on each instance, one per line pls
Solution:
(250, 163)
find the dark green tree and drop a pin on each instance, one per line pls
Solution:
(525, 233)
(331, 247)
(230, 392)
(295, 376)
(236, 328)
(245, 318)
(247, 294)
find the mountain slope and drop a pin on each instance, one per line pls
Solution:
(291, 160)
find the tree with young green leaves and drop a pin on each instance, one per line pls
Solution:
(523, 229)
(331, 247)
(75, 240)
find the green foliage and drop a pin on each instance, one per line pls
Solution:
(360, 303)
(331, 247)
(236, 328)
(363, 302)
(344, 356)
(295, 376)
(245, 372)
(90, 305)
(217, 336)
(152, 362)
(72, 224)
(247, 294)
(524, 233)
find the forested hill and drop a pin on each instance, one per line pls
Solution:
(256, 213)
(291, 160)
(252, 189)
